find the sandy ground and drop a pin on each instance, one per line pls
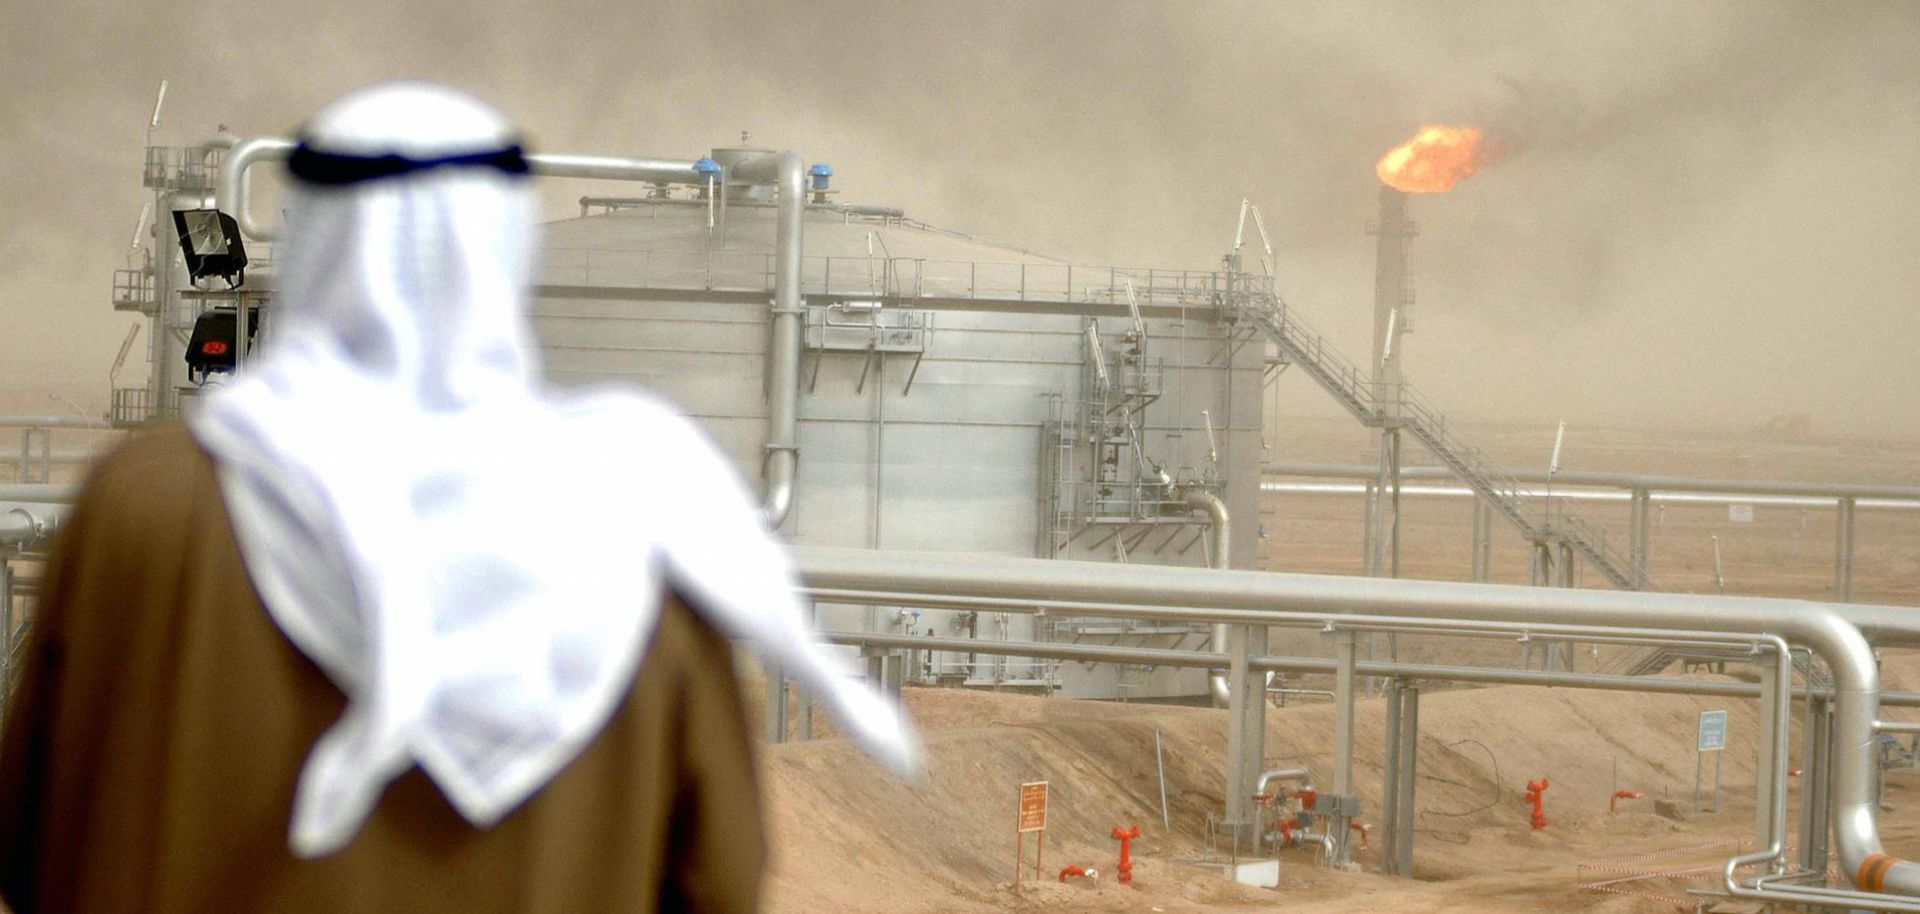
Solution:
(849, 838)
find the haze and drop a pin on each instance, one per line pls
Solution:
(1706, 215)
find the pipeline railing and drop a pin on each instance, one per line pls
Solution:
(860, 276)
(1255, 598)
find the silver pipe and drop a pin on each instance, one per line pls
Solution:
(27, 421)
(234, 195)
(1272, 487)
(1881, 624)
(1184, 659)
(1774, 813)
(1296, 773)
(27, 525)
(783, 346)
(1629, 481)
(861, 209)
(1222, 558)
(63, 455)
(1819, 626)
(611, 168)
(39, 493)
(233, 192)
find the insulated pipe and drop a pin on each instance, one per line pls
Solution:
(20, 421)
(23, 525)
(1222, 558)
(40, 493)
(1298, 773)
(783, 346)
(62, 455)
(1651, 483)
(1683, 499)
(1492, 676)
(1818, 626)
(233, 192)
(235, 198)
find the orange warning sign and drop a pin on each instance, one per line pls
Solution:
(1033, 806)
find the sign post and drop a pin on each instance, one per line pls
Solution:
(1712, 738)
(1030, 816)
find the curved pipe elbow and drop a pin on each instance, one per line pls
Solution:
(231, 194)
(778, 497)
(1217, 686)
(1222, 524)
(1222, 541)
(1296, 773)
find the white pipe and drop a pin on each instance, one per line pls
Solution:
(1690, 497)
(1820, 626)
(1222, 558)
(233, 192)
(234, 196)
(39, 493)
(25, 421)
(783, 346)
(1298, 773)
(1628, 481)
(27, 525)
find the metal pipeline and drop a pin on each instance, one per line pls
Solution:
(20, 421)
(1821, 627)
(40, 493)
(783, 347)
(26, 526)
(1299, 773)
(1628, 481)
(233, 192)
(1222, 558)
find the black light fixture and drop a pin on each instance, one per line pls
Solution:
(210, 241)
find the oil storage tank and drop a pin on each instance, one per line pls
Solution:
(954, 394)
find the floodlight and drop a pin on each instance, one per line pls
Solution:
(210, 242)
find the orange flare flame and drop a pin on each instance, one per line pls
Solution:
(1434, 160)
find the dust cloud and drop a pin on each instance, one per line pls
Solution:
(1706, 213)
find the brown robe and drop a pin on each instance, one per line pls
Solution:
(148, 760)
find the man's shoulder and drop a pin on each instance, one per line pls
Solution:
(160, 464)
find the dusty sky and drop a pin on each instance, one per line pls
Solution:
(1708, 212)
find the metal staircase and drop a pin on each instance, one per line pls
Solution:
(1253, 298)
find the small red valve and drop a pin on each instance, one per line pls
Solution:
(1537, 795)
(1125, 837)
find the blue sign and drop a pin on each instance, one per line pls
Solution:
(1713, 731)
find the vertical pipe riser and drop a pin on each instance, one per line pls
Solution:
(1403, 812)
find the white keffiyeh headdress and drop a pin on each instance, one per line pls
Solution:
(478, 563)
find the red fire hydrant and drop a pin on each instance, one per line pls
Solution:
(1126, 836)
(1537, 795)
(1619, 795)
